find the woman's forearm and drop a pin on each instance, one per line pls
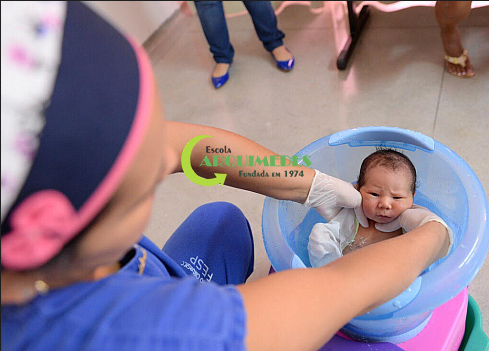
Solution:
(300, 309)
(292, 184)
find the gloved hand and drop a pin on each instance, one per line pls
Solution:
(413, 218)
(328, 195)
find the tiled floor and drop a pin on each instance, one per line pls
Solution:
(395, 78)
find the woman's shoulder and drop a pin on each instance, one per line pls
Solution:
(129, 311)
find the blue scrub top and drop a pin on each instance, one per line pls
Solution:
(161, 309)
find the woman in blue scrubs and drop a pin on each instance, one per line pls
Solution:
(84, 145)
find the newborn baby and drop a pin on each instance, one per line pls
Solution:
(387, 183)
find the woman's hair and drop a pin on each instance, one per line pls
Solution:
(390, 159)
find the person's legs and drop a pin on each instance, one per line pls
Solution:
(265, 22)
(214, 243)
(448, 15)
(213, 21)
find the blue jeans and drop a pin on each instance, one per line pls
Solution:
(211, 15)
(216, 244)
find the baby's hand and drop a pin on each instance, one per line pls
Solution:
(328, 195)
(413, 218)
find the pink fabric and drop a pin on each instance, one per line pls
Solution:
(39, 228)
(19, 55)
(31, 54)
(44, 222)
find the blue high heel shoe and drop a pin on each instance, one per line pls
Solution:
(220, 81)
(285, 65)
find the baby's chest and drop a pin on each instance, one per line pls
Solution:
(368, 236)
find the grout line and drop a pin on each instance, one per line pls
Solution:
(438, 102)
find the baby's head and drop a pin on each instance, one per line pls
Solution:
(387, 182)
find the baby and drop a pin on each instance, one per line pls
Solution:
(387, 183)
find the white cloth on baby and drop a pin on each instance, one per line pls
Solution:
(327, 240)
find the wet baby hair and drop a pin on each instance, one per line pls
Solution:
(390, 159)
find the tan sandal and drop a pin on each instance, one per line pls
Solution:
(460, 61)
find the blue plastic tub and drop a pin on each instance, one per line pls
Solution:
(447, 186)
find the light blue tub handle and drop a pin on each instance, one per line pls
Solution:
(384, 137)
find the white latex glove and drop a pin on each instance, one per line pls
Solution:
(328, 195)
(412, 219)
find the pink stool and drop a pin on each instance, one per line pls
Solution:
(444, 332)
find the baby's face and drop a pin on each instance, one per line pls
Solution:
(386, 193)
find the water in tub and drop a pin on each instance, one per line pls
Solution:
(298, 237)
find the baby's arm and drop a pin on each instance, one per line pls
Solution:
(301, 309)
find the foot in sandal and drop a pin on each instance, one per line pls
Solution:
(457, 60)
